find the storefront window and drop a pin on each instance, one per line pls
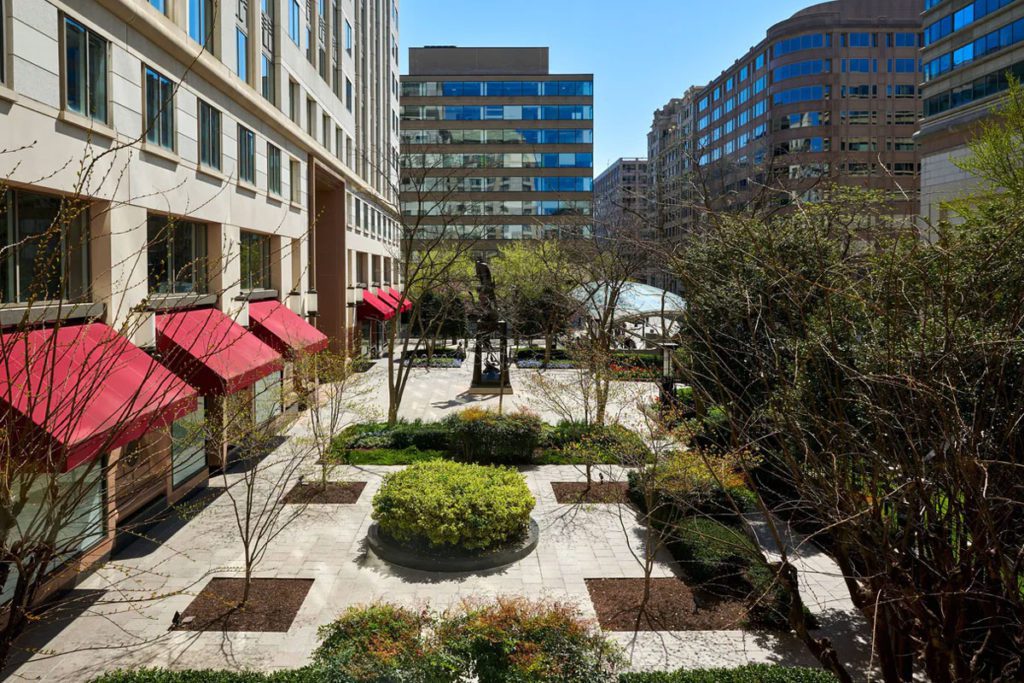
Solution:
(267, 398)
(177, 256)
(188, 446)
(44, 249)
(75, 517)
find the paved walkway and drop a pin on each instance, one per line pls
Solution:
(128, 604)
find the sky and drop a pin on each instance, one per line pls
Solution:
(642, 52)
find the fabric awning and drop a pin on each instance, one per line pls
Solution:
(212, 352)
(373, 308)
(385, 296)
(284, 331)
(87, 390)
(406, 304)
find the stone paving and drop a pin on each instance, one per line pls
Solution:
(327, 543)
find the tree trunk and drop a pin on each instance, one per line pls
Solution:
(821, 648)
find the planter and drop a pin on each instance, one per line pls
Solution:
(425, 558)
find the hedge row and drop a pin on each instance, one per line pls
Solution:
(754, 673)
(485, 437)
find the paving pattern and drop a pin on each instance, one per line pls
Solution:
(147, 583)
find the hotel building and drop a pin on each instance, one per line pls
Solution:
(194, 193)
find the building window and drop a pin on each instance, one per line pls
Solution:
(246, 155)
(254, 259)
(161, 5)
(188, 446)
(311, 118)
(325, 130)
(79, 518)
(339, 144)
(268, 80)
(209, 136)
(176, 258)
(267, 77)
(201, 17)
(267, 398)
(348, 94)
(3, 44)
(242, 46)
(273, 170)
(348, 37)
(85, 71)
(159, 109)
(293, 101)
(294, 20)
(295, 181)
(44, 249)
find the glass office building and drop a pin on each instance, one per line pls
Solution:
(494, 146)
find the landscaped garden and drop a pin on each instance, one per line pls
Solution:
(483, 436)
(640, 366)
(507, 640)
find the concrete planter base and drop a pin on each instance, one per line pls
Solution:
(451, 559)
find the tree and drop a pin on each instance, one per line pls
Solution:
(878, 375)
(532, 283)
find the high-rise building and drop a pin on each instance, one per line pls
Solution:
(495, 147)
(970, 49)
(177, 175)
(620, 192)
(830, 96)
(669, 162)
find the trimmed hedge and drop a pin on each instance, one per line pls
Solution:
(754, 673)
(613, 444)
(484, 436)
(303, 675)
(445, 503)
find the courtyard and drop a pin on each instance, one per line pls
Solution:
(126, 608)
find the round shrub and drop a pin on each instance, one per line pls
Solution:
(444, 503)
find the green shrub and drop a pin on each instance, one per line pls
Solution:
(426, 436)
(303, 675)
(517, 640)
(447, 503)
(753, 673)
(609, 445)
(391, 456)
(379, 642)
(484, 436)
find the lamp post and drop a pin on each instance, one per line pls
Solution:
(668, 382)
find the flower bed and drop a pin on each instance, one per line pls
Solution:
(435, 362)
(449, 504)
(534, 364)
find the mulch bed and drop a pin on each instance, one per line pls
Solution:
(572, 493)
(272, 605)
(672, 606)
(336, 493)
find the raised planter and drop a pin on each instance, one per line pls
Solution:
(425, 558)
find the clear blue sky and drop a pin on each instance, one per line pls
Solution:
(641, 52)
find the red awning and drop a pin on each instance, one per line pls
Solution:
(385, 296)
(284, 331)
(87, 389)
(372, 307)
(406, 303)
(211, 351)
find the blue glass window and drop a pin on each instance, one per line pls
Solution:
(294, 21)
(242, 47)
(85, 71)
(200, 22)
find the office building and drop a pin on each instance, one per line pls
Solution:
(217, 173)
(970, 49)
(620, 193)
(495, 147)
(669, 162)
(830, 96)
